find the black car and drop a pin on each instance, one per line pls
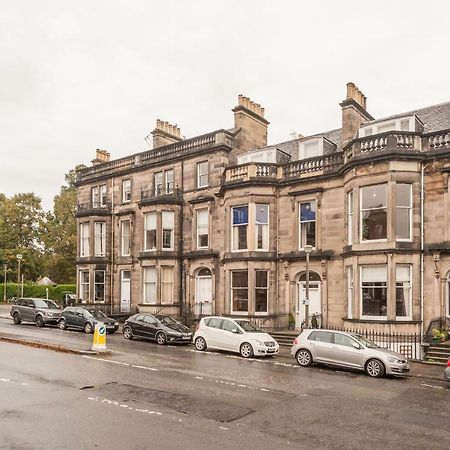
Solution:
(159, 328)
(85, 319)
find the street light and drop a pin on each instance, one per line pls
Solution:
(19, 258)
(307, 249)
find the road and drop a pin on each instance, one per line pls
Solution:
(143, 396)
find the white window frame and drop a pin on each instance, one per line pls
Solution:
(234, 228)
(367, 317)
(232, 311)
(365, 241)
(147, 283)
(350, 218)
(163, 228)
(102, 194)
(350, 290)
(164, 270)
(85, 240)
(95, 196)
(99, 238)
(409, 303)
(300, 222)
(168, 181)
(409, 208)
(99, 284)
(158, 181)
(304, 144)
(123, 237)
(265, 229)
(147, 228)
(126, 190)
(262, 313)
(83, 285)
(201, 183)
(396, 124)
(203, 227)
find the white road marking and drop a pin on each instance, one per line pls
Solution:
(231, 383)
(123, 405)
(120, 363)
(8, 380)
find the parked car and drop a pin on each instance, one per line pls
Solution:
(160, 328)
(34, 310)
(447, 371)
(351, 350)
(235, 335)
(85, 319)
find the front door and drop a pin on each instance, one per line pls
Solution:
(314, 302)
(125, 291)
(203, 295)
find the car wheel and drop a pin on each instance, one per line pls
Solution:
(16, 318)
(88, 328)
(246, 350)
(127, 333)
(62, 324)
(200, 344)
(161, 338)
(39, 321)
(375, 368)
(303, 357)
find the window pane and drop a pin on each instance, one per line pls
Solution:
(374, 196)
(240, 215)
(374, 224)
(261, 278)
(341, 339)
(403, 197)
(374, 273)
(239, 279)
(150, 285)
(168, 219)
(403, 225)
(260, 300)
(374, 299)
(262, 214)
(403, 291)
(242, 237)
(308, 232)
(307, 211)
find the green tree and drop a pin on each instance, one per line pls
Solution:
(61, 233)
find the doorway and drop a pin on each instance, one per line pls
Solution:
(203, 293)
(125, 291)
(315, 303)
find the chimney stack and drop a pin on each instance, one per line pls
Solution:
(165, 133)
(249, 120)
(101, 156)
(354, 113)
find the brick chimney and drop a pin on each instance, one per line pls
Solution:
(354, 113)
(165, 134)
(249, 119)
(101, 156)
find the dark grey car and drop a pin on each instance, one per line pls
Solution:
(85, 319)
(35, 310)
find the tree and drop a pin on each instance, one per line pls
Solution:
(61, 233)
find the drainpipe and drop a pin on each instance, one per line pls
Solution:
(112, 245)
(421, 249)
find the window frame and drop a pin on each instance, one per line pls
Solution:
(198, 211)
(126, 190)
(409, 208)
(350, 291)
(409, 304)
(350, 215)
(265, 229)
(146, 229)
(300, 223)
(100, 239)
(234, 228)
(266, 288)
(200, 174)
(99, 284)
(365, 316)
(123, 236)
(83, 284)
(386, 208)
(146, 283)
(164, 282)
(232, 288)
(85, 240)
(172, 231)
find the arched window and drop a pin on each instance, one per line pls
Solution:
(313, 276)
(204, 272)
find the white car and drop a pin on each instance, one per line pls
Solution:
(235, 335)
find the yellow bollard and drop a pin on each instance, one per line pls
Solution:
(99, 342)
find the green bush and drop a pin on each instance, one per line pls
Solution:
(34, 290)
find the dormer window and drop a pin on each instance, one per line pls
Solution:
(311, 148)
(408, 123)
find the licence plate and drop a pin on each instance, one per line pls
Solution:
(270, 350)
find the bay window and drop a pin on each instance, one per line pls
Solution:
(239, 291)
(262, 227)
(403, 208)
(373, 215)
(374, 291)
(239, 227)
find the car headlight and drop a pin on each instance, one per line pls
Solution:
(47, 314)
(258, 342)
(392, 359)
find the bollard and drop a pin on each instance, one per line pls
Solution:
(99, 342)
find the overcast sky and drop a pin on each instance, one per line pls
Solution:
(80, 75)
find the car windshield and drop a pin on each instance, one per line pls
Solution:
(41, 304)
(248, 326)
(97, 314)
(362, 340)
(166, 320)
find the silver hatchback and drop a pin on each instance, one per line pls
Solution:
(342, 349)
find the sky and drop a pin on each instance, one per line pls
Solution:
(87, 74)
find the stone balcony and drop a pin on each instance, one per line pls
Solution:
(93, 209)
(161, 195)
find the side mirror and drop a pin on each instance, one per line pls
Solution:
(235, 331)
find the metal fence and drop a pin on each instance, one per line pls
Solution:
(408, 344)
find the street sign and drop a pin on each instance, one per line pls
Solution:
(99, 341)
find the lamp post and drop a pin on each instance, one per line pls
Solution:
(19, 258)
(307, 249)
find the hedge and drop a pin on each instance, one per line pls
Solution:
(38, 291)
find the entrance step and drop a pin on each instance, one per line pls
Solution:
(285, 337)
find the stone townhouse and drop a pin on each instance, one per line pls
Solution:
(218, 223)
